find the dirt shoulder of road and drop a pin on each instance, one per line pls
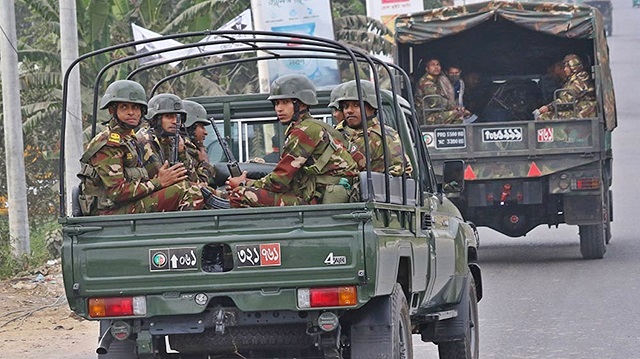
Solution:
(36, 322)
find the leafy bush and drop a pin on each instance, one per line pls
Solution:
(12, 266)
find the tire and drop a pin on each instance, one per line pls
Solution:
(118, 349)
(592, 241)
(468, 347)
(373, 339)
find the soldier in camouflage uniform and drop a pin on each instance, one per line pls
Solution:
(336, 112)
(113, 180)
(440, 107)
(314, 165)
(578, 88)
(194, 143)
(350, 105)
(157, 140)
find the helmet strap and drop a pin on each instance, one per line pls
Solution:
(372, 116)
(297, 112)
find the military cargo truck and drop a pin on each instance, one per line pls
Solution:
(342, 280)
(520, 172)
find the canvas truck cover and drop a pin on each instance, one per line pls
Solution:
(555, 19)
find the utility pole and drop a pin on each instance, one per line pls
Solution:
(14, 144)
(73, 129)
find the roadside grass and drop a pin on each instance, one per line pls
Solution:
(11, 266)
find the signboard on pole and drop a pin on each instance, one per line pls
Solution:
(140, 33)
(387, 10)
(307, 17)
(240, 23)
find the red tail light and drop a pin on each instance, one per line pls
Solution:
(327, 297)
(585, 183)
(117, 307)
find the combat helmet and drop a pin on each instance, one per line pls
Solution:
(124, 91)
(350, 93)
(196, 113)
(573, 62)
(295, 87)
(165, 103)
(335, 93)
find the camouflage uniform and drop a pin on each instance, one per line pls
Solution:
(156, 150)
(580, 88)
(196, 113)
(204, 170)
(114, 181)
(157, 144)
(344, 130)
(296, 178)
(444, 110)
(376, 151)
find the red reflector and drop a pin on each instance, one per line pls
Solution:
(468, 173)
(534, 171)
(586, 183)
(333, 297)
(110, 307)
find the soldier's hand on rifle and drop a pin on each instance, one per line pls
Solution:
(234, 182)
(171, 175)
(181, 144)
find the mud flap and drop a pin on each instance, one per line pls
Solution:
(583, 209)
(371, 330)
(454, 328)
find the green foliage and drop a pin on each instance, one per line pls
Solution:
(365, 33)
(11, 266)
(102, 24)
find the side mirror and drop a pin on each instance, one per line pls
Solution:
(453, 176)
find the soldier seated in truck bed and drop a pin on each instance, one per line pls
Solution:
(314, 161)
(349, 103)
(576, 98)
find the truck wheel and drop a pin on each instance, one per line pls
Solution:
(468, 347)
(371, 336)
(118, 349)
(592, 241)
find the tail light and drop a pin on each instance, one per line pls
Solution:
(345, 296)
(585, 183)
(117, 307)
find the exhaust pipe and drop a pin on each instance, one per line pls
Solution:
(105, 342)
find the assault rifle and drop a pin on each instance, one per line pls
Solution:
(232, 164)
(175, 142)
(212, 201)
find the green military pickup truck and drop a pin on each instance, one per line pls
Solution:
(346, 280)
(521, 172)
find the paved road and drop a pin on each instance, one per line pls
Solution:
(541, 299)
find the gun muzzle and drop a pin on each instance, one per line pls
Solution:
(105, 342)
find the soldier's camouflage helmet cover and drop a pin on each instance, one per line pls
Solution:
(368, 91)
(165, 103)
(124, 91)
(573, 62)
(294, 87)
(196, 113)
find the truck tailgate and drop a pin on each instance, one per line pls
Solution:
(214, 251)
